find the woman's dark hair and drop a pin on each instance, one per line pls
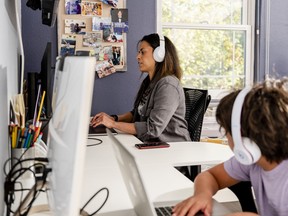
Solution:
(169, 66)
(264, 117)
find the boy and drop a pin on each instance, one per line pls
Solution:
(256, 125)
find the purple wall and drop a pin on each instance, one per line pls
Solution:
(113, 94)
(278, 45)
(278, 39)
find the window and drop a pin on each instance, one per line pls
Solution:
(214, 39)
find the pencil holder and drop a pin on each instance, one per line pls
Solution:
(20, 160)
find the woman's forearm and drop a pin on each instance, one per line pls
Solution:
(125, 127)
(126, 117)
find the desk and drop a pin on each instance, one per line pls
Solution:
(164, 182)
(156, 167)
(179, 153)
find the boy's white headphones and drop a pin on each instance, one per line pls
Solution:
(245, 150)
(159, 52)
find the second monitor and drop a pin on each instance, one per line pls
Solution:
(68, 129)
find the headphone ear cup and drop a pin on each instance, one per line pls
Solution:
(247, 153)
(159, 54)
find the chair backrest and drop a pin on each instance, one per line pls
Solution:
(197, 101)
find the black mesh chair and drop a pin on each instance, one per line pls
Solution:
(197, 101)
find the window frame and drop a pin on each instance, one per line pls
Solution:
(248, 27)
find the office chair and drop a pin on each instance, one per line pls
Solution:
(197, 101)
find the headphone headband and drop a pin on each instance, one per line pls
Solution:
(236, 114)
(245, 150)
(161, 40)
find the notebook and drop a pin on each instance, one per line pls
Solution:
(133, 180)
(100, 130)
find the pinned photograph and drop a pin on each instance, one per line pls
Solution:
(73, 26)
(119, 15)
(91, 39)
(105, 68)
(105, 53)
(118, 32)
(117, 53)
(100, 23)
(110, 36)
(68, 44)
(110, 2)
(72, 6)
(119, 18)
(91, 8)
(96, 51)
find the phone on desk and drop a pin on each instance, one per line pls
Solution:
(151, 145)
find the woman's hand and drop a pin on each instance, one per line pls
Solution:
(193, 205)
(102, 118)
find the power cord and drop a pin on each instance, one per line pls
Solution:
(94, 144)
(84, 213)
(12, 177)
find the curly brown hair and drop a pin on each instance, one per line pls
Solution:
(264, 117)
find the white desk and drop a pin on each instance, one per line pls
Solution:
(179, 153)
(101, 170)
(163, 181)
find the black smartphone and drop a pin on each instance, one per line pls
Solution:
(151, 145)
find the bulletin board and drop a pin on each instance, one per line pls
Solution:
(95, 28)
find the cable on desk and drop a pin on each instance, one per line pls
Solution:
(84, 213)
(94, 144)
(16, 171)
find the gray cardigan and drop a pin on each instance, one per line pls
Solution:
(164, 113)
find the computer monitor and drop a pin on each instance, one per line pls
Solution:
(68, 130)
(46, 78)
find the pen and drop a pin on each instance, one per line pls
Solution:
(35, 110)
(30, 140)
(27, 138)
(14, 136)
(24, 138)
(18, 137)
(41, 105)
(39, 137)
(37, 130)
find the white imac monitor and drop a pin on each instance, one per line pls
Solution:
(68, 130)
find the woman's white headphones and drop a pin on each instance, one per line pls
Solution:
(159, 52)
(245, 150)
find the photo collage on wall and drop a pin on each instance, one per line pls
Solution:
(91, 30)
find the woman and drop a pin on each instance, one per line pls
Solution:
(159, 108)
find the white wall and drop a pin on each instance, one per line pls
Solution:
(9, 61)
